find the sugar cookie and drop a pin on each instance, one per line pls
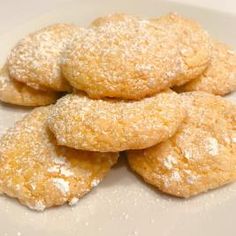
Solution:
(36, 59)
(193, 43)
(115, 125)
(41, 174)
(18, 93)
(220, 76)
(130, 58)
(200, 156)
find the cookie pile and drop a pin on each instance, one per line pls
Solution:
(120, 75)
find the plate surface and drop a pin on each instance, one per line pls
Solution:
(122, 204)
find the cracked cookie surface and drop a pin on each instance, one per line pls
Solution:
(200, 156)
(115, 125)
(41, 174)
(17, 93)
(220, 76)
(131, 58)
(36, 59)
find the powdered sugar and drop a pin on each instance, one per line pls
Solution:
(35, 60)
(65, 171)
(3, 82)
(212, 146)
(191, 179)
(234, 139)
(188, 154)
(175, 176)
(39, 206)
(62, 185)
(73, 201)
(59, 160)
(95, 182)
(169, 161)
(54, 169)
(134, 57)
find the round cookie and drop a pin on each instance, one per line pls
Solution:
(41, 174)
(36, 59)
(115, 125)
(220, 76)
(130, 58)
(193, 43)
(200, 156)
(20, 94)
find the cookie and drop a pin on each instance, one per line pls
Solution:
(200, 156)
(220, 76)
(193, 43)
(115, 125)
(41, 174)
(18, 93)
(130, 58)
(36, 59)
(116, 17)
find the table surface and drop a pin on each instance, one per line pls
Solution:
(14, 13)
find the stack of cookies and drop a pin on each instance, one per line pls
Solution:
(117, 80)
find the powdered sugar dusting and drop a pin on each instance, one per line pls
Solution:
(66, 171)
(191, 179)
(220, 76)
(95, 182)
(39, 206)
(73, 201)
(234, 139)
(40, 170)
(188, 154)
(75, 116)
(54, 169)
(3, 82)
(227, 139)
(212, 146)
(62, 185)
(33, 186)
(169, 161)
(133, 55)
(35, 60)
(175, 176)
(59, 160)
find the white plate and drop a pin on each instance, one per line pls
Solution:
(122, 204)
